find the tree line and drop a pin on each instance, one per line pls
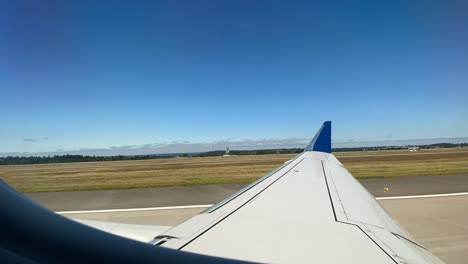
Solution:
(19, 160)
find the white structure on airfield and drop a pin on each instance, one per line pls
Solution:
(227, 152)
(413, 148)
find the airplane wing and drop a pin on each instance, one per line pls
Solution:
(309, 210)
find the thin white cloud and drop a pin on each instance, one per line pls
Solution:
(123, 147)
(35, 140)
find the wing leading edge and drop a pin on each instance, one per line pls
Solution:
(310, 209)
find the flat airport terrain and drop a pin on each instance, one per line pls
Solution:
(220, 170)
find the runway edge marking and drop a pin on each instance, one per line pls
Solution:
(422, 196)
(209, 205)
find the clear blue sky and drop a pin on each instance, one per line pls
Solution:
(78, 74)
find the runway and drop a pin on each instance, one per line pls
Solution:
(439, 223)
(210, 194)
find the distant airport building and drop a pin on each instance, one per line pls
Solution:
(413, 148)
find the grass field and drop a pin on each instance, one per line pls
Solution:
(216, 170)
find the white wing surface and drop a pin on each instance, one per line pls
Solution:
(310, 210)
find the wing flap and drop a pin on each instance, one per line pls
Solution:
(353, 203)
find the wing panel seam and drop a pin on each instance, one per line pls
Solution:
(409, 240)
(336, 220)
(336, 190)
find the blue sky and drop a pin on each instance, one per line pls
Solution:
(78, 74)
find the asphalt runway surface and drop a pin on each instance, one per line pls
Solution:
(210, 194)
(439, 223)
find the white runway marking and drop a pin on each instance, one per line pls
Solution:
(209, 205)
(135, 209)
(422, 196)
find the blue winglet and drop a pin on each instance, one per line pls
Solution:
(322, 140)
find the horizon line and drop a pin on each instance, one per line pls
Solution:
(252, 145)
